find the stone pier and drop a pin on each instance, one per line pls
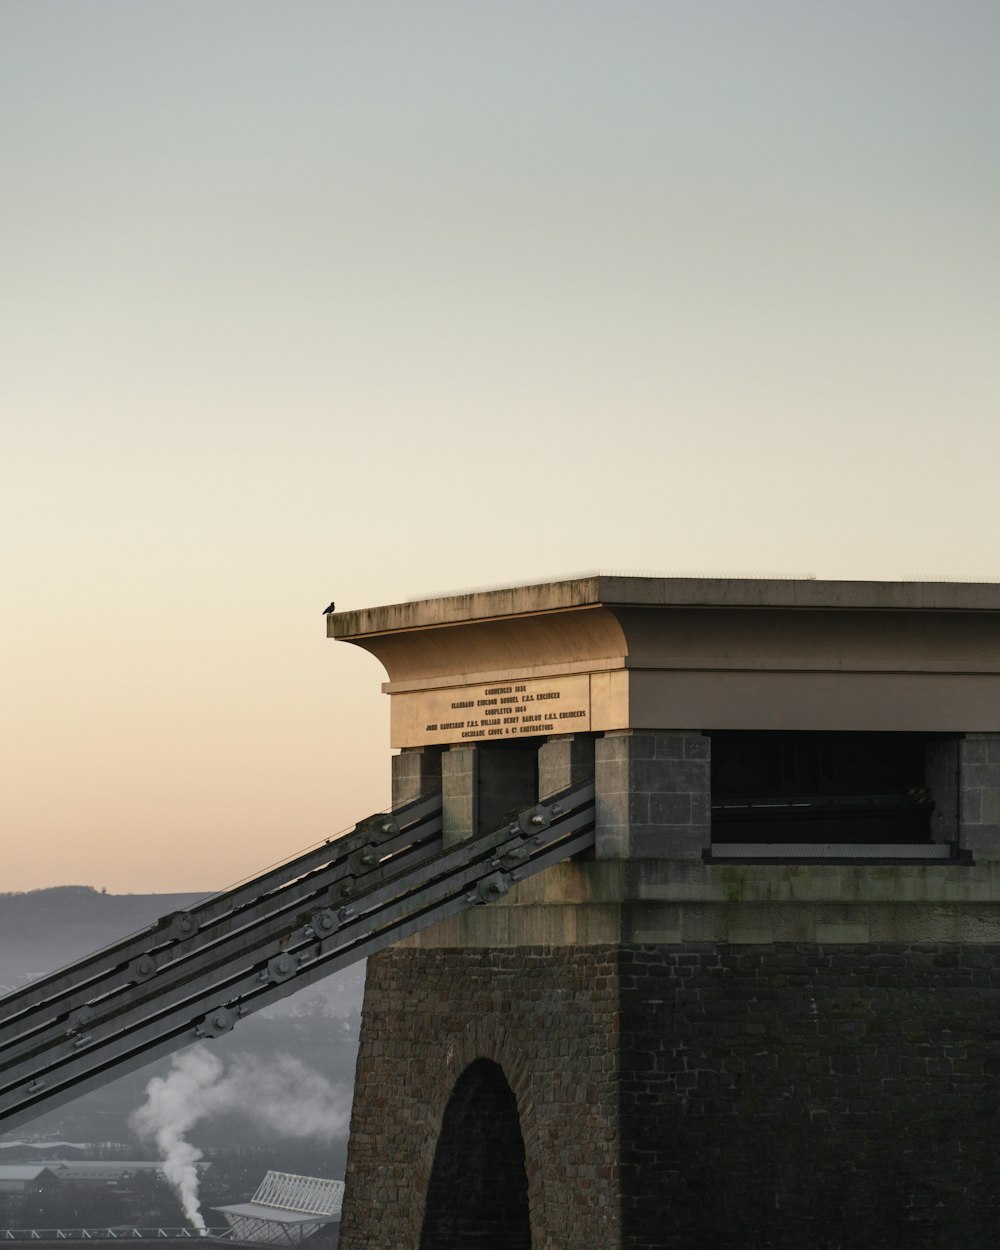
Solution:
(765, 1012)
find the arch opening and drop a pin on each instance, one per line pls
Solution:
(478, 1191)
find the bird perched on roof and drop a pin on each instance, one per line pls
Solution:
(331, 608)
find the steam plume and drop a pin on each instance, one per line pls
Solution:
(281, 1094)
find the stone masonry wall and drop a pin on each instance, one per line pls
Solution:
(808, 1097)
(979, 798)
(548, 1016)
(696, 1097)
(653, 794)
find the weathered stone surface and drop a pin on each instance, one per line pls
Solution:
(810, 1096)
(563, 762)
(710, 653)
(415, 771)
(772, 1097)
(460, 794)
(548, 1017)
(653, 794)
(979, 794)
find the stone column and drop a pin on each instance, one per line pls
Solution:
(941, 756)
(653, 794)
(979, 795)
(459, 793)
(563, 761)
(415, 771)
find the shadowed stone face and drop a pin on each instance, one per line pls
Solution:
(478, 1192)
(786, 1096)
(486, 1080)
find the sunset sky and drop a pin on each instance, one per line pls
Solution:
(312, 299)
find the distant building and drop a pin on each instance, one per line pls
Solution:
(286, 1209)
(22, 1186)
(107, 1171)
(21, 1178)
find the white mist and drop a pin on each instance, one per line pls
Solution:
(281, 1094)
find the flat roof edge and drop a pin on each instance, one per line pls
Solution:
(623, 591)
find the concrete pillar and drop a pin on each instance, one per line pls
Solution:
(653, 794)
(415, 771)
(459, 793)
(941, 756)
(564, 761)
(979, 795)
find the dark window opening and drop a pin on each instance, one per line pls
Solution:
(508, 780)
(824, 787)
(478, 1192)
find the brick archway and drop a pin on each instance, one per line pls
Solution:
(478, 1189)
(548, 1021)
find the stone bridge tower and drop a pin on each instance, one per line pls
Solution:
(766, 1012)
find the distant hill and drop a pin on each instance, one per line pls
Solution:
(42, 930)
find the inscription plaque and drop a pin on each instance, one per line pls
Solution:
(492, 711)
